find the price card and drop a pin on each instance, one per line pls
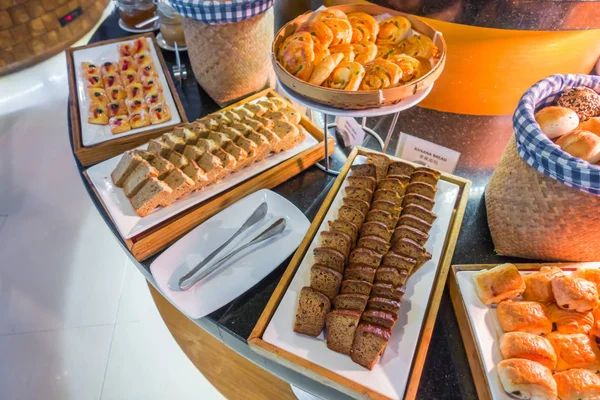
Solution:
(350, 130)
(426, 153)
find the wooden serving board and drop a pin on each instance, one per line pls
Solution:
(162, 235)
(89, 155)
(480, 376)
(328, 376)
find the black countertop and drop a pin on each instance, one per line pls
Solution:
(479, 139)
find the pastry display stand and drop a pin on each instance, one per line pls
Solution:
(327, 111)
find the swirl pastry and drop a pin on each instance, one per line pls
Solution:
(346, 76)
(346, 49)
(364, 52)
(419, 46)
(393, 30)
(324, 68)
(330, 13)
(319, 31)
(380, 74)
(298, 58)
(341, 29)
(364, 27)
(410, 66)
(295, 37)
(320, 52)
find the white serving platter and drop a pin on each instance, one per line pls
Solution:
(241, 272)
(130, 224)
(92, 134)
(390, 376)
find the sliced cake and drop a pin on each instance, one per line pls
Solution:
(331, 258)
(350, 301)
(365, 256)
(415, 222)
(151, 195)
(399, 261)
(360, 205)
(382, 216)
(400, 168)
(354, 192)
(418, 199)
(128, 162)
(391, 275)
(351, 214)
(420, 212)
(364, 170)
(375, 243)
(337, 240)
(404, 179)
(374, 228)
(381, 318)
(360, 272)
(340, 328)
(383, 304)
(392, 184)
(388, 206)
(424, 176)
(381, 162)
(366, 182)
(180, 183)
(421, 188)
(346, 227)
(138, 177)
(405, 231)
(388, 291)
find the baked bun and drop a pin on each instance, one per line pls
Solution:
(538, 285)
(528, 346)
(499, 283)
(575, 350)
(556, 121)
(524, 316)
(581, 144)
(576, 384)
(324, 68)
(568, 321)
(591, 125)
(526, 379)
(583, 100)
(575, 293)
(589, 274)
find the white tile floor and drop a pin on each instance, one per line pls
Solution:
(76, 318)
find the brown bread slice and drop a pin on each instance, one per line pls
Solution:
(340, 328)
(424, 176)
(337, 240)
(404, 179)
(391, 275)
(389, 195)
(392, 184)
(369, 343)
(138, 177)
(360, 205)
(388, 291)
(346, 227)
(174, 142)
(400, 168)
(415, 222)
(376, 229)
(383, 304)
(128, 162)
(187, 135)
(375, 243)
(420, 212)
(360, 272)
(178, 159)
(151, 195)
(162, 165)
(311, 311)
(393, 259)
(418, 199)
(388, 206)
(382, 216)
(351, 214)
(364, 170)
(365, 256)
(180, 183)
(197, 175)
(366, 182)
(353, 192)
(381, 162)
(412, 249)
(405, 231)
(355, 287)
(326, 280)
(331, 258)
(382, 318)
(421, 188)
(437, 174)
(356, 302)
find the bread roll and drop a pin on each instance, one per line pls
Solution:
(589, 274)
(538, 285)
(591, 125)
(556, 121)
(526, 379)
(524, 316)
(528, 346)
(581, 144)
(577, 383)
(499, 283)
(575, 294)
(570, 321)
(574, 350)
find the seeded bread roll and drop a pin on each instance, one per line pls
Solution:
(311, 311)
(325, 280)
(375, 243)
(331, 258)
(341, 326)
(356, 302)
(581, 144)
(355, 287)
(369, 343)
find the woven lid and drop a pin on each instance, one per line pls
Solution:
(219, 12)
(540, 152)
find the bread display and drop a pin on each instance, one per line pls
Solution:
(199, 154)
(125, 95)
(526, 379)
(499, 283)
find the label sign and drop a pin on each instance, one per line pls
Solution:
(350, 130)
(429, 154)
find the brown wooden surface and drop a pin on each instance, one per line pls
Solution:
(232, 374)
(322, 374)
(89, 155)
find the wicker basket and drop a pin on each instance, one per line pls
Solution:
(30, 30)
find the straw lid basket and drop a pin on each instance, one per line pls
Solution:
(541, 202)
(363, 98)
(228, 43)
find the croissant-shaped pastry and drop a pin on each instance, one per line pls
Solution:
(524, 316)
(538, 285)
(346, 49)
(528, 346)
(419, 46)
(324, 68)
(393, 30)
(318, 30)
(575, 293)
(341, 29)
(577, 383)
(575, 350)
(364, 27)
(380, 74)
(409, 66)
(298, 59)
(589, 274)
(568, 321)
(347, 76)
(364, 52)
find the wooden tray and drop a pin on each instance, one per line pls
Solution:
(324, 375)
(89, 155)
(476, 363)
(160, 236)
(362, 98)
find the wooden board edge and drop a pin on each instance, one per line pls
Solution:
(568, 265)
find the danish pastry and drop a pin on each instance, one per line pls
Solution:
(126, 64)
(147, 70)
(575, 293)
(538, 285)
(117, 93)
(347, 76)
(527, 379)
(159, 113)
(574, 350)
(364, 27)
(524, 316)
(319, 31)
(111, 81)
(97, 96)
(108, 68)
(89, 68)
(324, 68)
(380, 74)
(93, 80)
(119, 124)
(98, 114)
(589, 274)
(143, 59)
(128, 77)
(139, 120)
(364, 52)
(139, 46)
(569, 321)
(577, 383)
(393, 30)
(136, 106)
(154, 98)
(135, 91)
(117, 108)
(499, 283)
(528, 346)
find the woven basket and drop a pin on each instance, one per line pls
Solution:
(231, 60)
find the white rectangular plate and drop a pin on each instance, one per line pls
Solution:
(240, 273)
(130, 224)
(93, 134)
(390, 375)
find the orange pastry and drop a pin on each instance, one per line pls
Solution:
(595, 331)
(320, 52)
(524, 316)
(153, 99)
(346, 49)
(575, 350)
(324, 68)
(126, 64)
(380, 74)
(159, 113)
(117, 108)
(577, 384)
(568, 321)
(589, 274)
(117, 93)
(135, 91)
(298, 58)
(409, 66)
(575, 293)
(93, 80)
(128, 77)
(347, 76)
(119, 124)
(139, 120)
(98, 114)
(97, 96)
(143, 59)
(364, 52)
(529, 346)
(136, 106)
(318, 30)
(419, 46)
(393, 30)
(139, 46)
(527, 379)
(499, 283)
(109, 68)
(341, 29)
(89, 68)
(538, 285)
(111, 81)
(364, 27)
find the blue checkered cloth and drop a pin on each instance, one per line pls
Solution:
(540, 152)
(217, 12)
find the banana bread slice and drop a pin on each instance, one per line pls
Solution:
(415, 222)
(383, 304)
(311, 311)
(382, 216)
(360, 205)
(326, 280)
(381, 318)
(354, 192)
(392, 184)
(437, 174)
(405, 231)
(360, 272)
(152, 194)
(412, 249)
(368, 344)
(346, 227)
(421, 188)
(389, 195)
(393, 259)
(375, 228)
(424, 176)
(365, 256)
(400, 168)
(391, 275)
(420, 212)
(351, 286)
(356, 302)
(337, 240)
(404, 179)
(331, 258)
(389, 206)
(364, 170)
(350, 214)
(374, 243)
(418, 199)
(340, 328)
(381, 162)
(388, 291)
(366, 182)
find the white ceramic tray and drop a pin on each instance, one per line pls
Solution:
(244, 270)
(130, 224)
(390, 376)
(92, 134)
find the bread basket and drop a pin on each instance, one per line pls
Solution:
(361, 99)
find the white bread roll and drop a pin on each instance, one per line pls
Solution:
(581, 144)
(556, 121)
(591, 125)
